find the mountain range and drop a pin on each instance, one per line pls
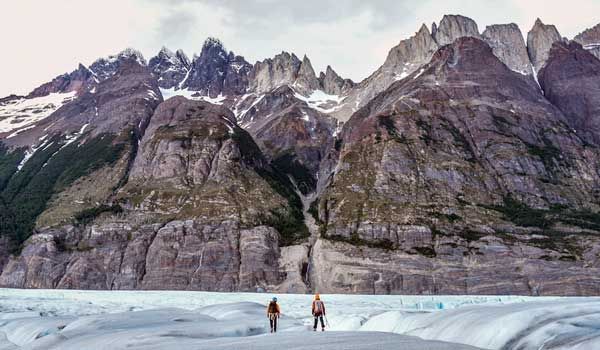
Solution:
(468, 163)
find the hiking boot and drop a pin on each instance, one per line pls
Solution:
(323, 330)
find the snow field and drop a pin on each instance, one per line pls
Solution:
(25, 112)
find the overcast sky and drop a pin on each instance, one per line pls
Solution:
(44, 38)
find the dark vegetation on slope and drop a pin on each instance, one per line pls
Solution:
(288, 164)
(523, 215)
(50, 170)
(288, 221)
(86, 216)
(354, 239)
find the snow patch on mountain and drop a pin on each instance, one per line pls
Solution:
(321, 101)
(192, 95)
(25, 112)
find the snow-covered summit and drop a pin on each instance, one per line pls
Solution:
(106, 67)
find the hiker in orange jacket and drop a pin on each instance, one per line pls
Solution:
(318, 312)
(273, 312)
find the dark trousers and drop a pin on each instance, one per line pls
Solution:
(273, 323)
(317, 321)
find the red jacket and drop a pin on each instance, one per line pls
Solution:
(318, 310)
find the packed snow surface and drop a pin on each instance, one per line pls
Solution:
(23, 112)
(56, 319)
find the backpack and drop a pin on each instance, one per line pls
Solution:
(318, 307)
(272, 307)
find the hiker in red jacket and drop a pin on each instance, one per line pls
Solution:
(273, 312)
(318, 312)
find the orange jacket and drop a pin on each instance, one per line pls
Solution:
(273, 308)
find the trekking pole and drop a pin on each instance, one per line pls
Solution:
(327, 322)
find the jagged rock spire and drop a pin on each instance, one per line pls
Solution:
(506, 41)
(453, 27)
(539, 41)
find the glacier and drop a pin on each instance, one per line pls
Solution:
(70, 319)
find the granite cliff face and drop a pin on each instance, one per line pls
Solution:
(333, 84)
(539, 41)
(453, 27)
(449, 170)
(506, 41)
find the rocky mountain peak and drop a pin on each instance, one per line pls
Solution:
(434, 29)
(453, 27)
(506, 41)
(104, 68)
(78, 80)
(164, 52)
(274, 72)
(216, 72)
(183, 58)
(589, 36)
(333, 84)
(410, 53)
(212, 42)
(213, 49)
(539, 41)
(590, 40)
(306, 81)
(169, 68)
(423, 31)
(130, 53)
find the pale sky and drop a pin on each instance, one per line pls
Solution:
(45, 38)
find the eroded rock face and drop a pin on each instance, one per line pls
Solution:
(590, 40)
(194, 161)
(333, 84)
(272, 73)
(539, 41)
(453, 27)
(428, 167)
(486, 267)
(179, 255)
(506, 41)
(182, 141)
(571, 81)
(307, 81)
